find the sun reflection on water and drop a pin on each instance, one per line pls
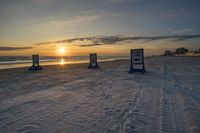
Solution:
(62, 61)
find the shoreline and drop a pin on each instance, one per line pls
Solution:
(86, 62)
(50, 63)
(53, 65)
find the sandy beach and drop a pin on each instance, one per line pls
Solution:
(74, 99)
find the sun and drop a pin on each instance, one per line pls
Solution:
(61, 51)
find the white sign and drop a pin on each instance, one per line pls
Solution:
(137, 61)
(137, 56)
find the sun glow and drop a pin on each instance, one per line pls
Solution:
(61, 51)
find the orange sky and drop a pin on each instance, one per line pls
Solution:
(109, 50)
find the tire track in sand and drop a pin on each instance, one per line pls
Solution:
(173, 119)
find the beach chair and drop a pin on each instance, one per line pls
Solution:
(36, 65)
(137, 61)
(93, 61)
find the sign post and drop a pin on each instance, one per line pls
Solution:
(93, 61)
(36, 65)
(137, 61)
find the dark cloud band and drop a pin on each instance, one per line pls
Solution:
(106, 40)
(14, 48)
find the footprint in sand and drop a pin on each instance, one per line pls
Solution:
(28, 128)
(129, 127)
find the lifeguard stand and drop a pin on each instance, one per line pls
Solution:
(93, 61)
(35, 66)
(137, 61)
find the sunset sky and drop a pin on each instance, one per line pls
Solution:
(108, 27)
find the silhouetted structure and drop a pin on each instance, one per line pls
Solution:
(93, 61)
(181, 50)
(35, 60)
(168, 53)
(137, 61)
(193, 53)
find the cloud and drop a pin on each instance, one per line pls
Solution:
(42, 1)
(118, 39)
(177, 13)
(14, 48)
(117, 1)
(181, 31)
(85, 17)
(65, 23)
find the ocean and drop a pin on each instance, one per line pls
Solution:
(25, 61)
